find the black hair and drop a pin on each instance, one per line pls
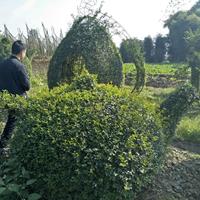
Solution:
(17, 47)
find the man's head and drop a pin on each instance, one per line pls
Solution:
(19, 49)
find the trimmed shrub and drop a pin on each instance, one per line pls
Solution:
(102, 144)
(88, 44)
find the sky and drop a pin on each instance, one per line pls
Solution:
(139, 17)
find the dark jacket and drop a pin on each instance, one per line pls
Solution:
(13, 77)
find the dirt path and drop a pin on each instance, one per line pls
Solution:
(187, 146)
(179, 178)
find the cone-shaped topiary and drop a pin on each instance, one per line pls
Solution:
(87, 44)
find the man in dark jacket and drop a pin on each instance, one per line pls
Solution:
(14, 79)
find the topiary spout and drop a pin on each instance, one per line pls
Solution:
(175, 106)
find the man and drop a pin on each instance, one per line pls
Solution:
(14, 79)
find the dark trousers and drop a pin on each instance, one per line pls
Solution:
(10, 125)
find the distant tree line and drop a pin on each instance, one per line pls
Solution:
(176, 46)
(183, 26)
(154, 50)
(184, 35)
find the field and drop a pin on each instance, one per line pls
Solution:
(155, 69)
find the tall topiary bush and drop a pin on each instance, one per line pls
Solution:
(87, 44)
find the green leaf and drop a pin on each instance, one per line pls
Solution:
(25, 173)
(30, 182)
(2, 189)
(34, 196)
(1, 182)
(14, 188)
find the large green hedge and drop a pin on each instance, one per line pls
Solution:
(88, 44)
(100, 143)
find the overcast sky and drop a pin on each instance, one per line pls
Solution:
(139, 17)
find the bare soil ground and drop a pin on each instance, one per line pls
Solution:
(179, 178)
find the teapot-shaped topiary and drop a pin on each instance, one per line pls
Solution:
(103, 143)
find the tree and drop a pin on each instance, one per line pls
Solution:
(129, 48)
(195, 9)
(148, 49)
(178, 25)
(5, 46)
(185, 40)
(160, 49)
